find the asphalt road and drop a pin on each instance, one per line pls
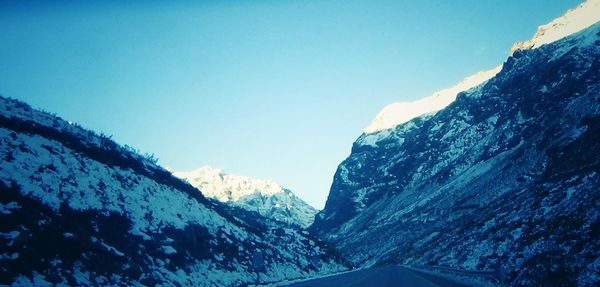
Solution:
(384, 276)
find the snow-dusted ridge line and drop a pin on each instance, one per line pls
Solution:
(402, 112)
(573, 21)
(266, 197)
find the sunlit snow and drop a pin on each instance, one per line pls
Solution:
(573, 21)
(398, 113)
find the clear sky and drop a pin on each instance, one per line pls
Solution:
(269, 89)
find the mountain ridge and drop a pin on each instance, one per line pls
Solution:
(573, 21)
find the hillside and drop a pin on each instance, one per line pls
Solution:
(505, 177)
(78, 209)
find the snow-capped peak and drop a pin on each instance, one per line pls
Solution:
(398, 113)
(573, 21)
(214, 183)
(263, 196)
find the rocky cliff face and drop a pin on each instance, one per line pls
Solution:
(507, 176)
(263, 196)
(78, 209)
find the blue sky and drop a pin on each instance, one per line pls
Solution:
(269, 89)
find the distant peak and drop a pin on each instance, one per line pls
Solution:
(208, 169)
(263, 196)
(227, 187)
(573, 21)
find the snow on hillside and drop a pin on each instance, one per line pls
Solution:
(505, 178)
(263, 196)
(78, 209)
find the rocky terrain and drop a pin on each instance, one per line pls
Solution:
(506, 177)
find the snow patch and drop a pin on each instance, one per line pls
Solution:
(7, 208)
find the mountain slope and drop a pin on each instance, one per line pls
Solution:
(78, 209)
(263, 196)
(507, 176)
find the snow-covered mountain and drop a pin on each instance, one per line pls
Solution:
(263, 196)
(78, 209)
(506, 177)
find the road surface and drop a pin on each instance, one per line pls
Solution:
(383, 276)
